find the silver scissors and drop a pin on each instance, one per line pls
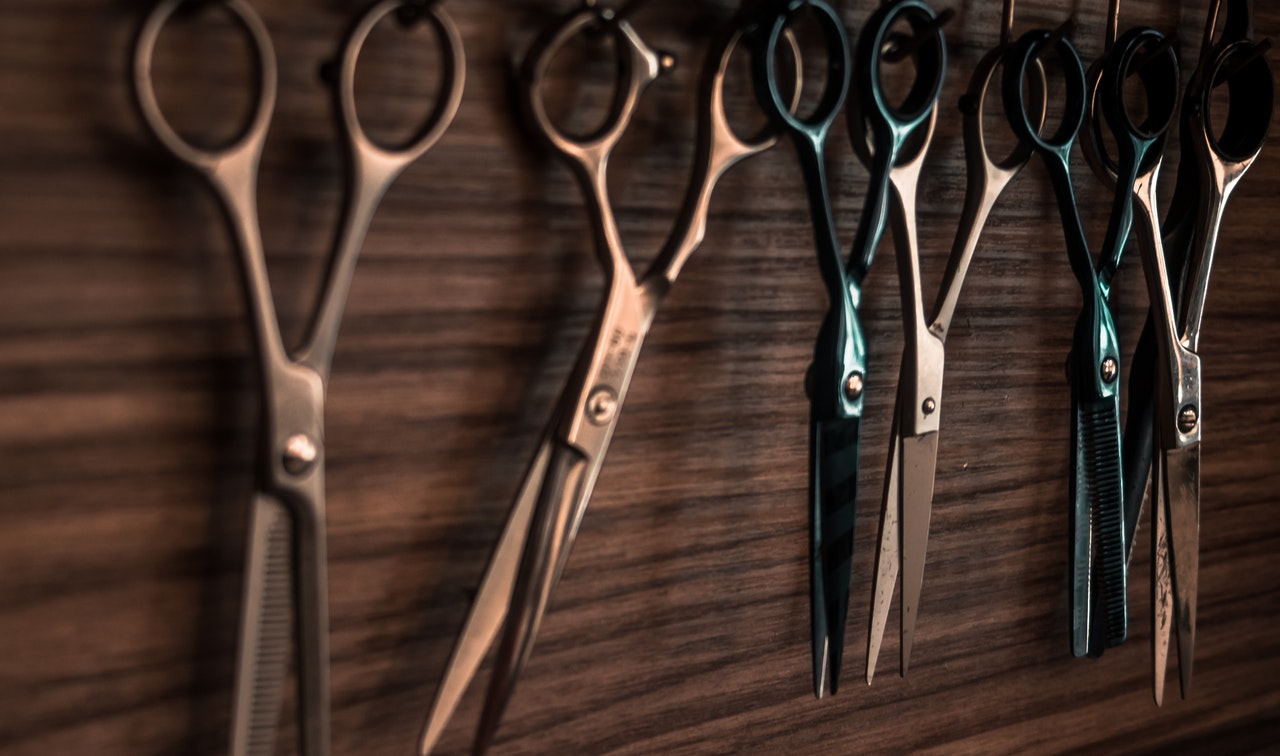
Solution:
(1178, 264)
(285, 575)
(536, 540)
(908, 491)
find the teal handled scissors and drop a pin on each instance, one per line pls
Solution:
(1178, 264)
(535, 542)
(835, 380)
(285, 576)
(911, 463)
(1098, 603)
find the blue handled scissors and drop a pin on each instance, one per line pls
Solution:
(911, 462)
(540, 530)
(285, 576)
(1178, 263)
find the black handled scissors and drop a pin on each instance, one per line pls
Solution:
(892, 140)
(835, 381)
(540, 530)
(285, 561)
(1178, 265)
(1097, 598)
(909, 478)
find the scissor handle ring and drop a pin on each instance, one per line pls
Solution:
(1252, 90)
(254, 134)
(839, 75)
(452, 79)
(767, 136)
(1024, 54)
(1161, 80)
(973, 105)
(639, 66)
(931, 64)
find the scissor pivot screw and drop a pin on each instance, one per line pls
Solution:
(1109, 369)
(853, 387)
(929, 406)
(1188, 419)
(300, 453)
(602, 405)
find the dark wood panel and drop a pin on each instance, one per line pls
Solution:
(128, 411)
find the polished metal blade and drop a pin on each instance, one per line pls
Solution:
(834, 488)
(1081, 553)
(535, 580)
(1182, 476)
(919, 461)
(266, 622)
(489, 610)
(1161, 578)
(887, 556)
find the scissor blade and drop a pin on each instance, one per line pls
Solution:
(1106, 492)
(534, 583)
(489, 610)
(887, 556)
(1182, 476)
(265, 629)
(834, 488)
(1161, 578)
(1139, 431)
(1081, 553)
(919, 460)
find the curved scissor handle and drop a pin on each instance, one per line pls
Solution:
(1024, 54)
(1252, 90)
(887, 120)
(453, 77)
(246, 146)
(839, 75)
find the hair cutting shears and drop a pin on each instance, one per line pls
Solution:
(1178, 264)
(285, 576)
(535, 542)
(1098, 603)
(835, 380)
(912, 460)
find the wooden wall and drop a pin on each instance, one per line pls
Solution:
(128, 411)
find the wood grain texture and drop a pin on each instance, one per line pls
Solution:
(128, 412)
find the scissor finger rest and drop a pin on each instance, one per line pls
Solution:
(244, 148)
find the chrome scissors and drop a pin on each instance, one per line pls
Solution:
(911, 469)
(835, 379)
(536, 540)
(285, 576)
(1178, 264)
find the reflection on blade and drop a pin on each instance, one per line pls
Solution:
(1161, 579)
(1081, 539)
(919, 457)
(887, 556)
(833, 496)
(489, 610)
(1182, 479)
(535, 580)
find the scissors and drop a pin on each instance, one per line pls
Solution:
(835, 380)
(912, 461)
(540, 530)
(285, 577)
(1098, 603)
(1178, 264)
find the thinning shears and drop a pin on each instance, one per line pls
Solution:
(1178, 263)
(535, 542)
(285, 576)
(1098, 603)
(911, 470)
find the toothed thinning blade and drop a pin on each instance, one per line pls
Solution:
(1100, 434)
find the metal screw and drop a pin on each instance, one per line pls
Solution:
(602, 405)
(853, 387)
(1109, 369)
(300, 453)
(929, 406)
(1188, 418)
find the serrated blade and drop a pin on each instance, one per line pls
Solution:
(1101, 440)
(833, 494)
